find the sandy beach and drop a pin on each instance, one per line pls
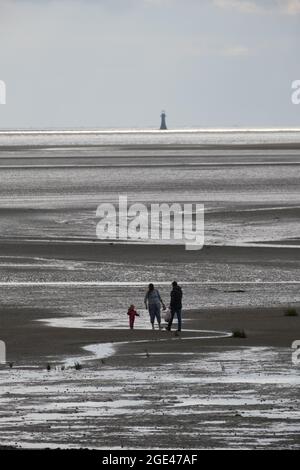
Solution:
(203, 389)
(30, 340)
(196, 391)
(95, 250)
(29, 337)
(64, 297)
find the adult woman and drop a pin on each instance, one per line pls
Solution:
(153, 304)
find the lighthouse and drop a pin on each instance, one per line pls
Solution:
(163, 125)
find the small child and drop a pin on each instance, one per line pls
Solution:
(132, 313)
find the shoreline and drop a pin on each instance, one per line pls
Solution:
(29, 339)
(254, 146)
(207, 392)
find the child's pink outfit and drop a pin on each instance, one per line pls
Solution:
(132, 313)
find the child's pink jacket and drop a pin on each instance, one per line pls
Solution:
(132, 313)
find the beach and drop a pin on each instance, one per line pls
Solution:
(151, 389)
(29, 339)
(202, 390)
(65, 294)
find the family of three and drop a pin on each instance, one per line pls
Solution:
(154, 302)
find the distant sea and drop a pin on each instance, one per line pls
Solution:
(149, 136)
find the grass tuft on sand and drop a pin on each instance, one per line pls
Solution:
(291, 312)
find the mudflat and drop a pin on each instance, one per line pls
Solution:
(28, 339)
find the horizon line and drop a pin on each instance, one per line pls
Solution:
(150, 130)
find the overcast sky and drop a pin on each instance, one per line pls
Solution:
(118, 63)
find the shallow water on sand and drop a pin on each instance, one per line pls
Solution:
(250, 194)
(246, 397)
(52, 192)
(241, 398)
(100, 291)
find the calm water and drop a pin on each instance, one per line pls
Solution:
(149, 137)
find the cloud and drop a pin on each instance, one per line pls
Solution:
(210, 47)
(293, 7)
(244, 6)
(287, 7)
(87, 63)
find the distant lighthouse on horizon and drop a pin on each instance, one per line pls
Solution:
(163, 125)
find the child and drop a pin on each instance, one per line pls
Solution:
(132, 313)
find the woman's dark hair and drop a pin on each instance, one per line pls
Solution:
(151, 286)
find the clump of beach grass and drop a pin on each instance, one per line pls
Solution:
(239, 333)
(77, 366)
(291, 312)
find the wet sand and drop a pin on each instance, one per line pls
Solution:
(29, 340)
(93, 250)
(180, 393)
(155, 390)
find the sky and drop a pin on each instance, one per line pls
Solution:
(118, 63)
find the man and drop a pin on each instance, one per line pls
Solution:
(175, 305)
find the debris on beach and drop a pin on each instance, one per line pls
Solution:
(239, 334)
(237, 291)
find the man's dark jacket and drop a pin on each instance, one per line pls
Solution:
(176, 298)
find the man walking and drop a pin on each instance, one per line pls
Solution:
(175, 305)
